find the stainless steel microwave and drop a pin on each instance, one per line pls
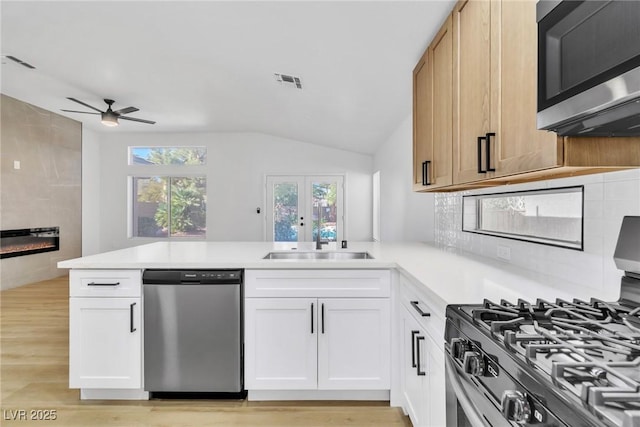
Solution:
(589, 67)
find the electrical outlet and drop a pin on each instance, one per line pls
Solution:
(504, 253)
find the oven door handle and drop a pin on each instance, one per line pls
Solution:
(467, 406)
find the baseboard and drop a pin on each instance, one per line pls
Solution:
(318, 395)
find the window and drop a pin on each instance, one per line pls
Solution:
(169, 206)
(167, 155)
(549, 216)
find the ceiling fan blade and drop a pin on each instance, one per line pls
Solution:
(137, 120)
(82, 112)
(86, 105)
(126, 110)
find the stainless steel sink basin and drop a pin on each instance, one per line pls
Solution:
(318, 255)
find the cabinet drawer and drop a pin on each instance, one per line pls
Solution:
(318, 283)
(417, 303)
(109, 283)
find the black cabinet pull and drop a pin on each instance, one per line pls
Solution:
(322, 315)
(413, 348)
(419, 310)
(419, 372)
(131, 328)
(425, 172)
(103, 284)
(488, 138)
(312, 318)
(480, 138)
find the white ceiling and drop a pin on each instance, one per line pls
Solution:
(207, 66)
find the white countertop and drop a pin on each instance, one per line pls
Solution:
(448, 277)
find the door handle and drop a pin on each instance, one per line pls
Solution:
(413, 348)
(312, 318)
(419, 372)
(488, 147)
(425, 172)
(131, 328)
(480, 139)
(322, 316)
(419, 310)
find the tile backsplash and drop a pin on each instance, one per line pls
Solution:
(608, 198)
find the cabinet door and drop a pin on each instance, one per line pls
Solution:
(105, 343)
(422, 120)
(433, 109)
(413, 385)
(472, 86)
(281, 343)
(354, 344)
(517, 146)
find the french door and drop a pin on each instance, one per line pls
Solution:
(300, 206)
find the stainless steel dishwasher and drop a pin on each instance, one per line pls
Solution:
(193, 332)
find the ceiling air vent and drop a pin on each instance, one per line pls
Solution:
(19, 61)
(287, 80)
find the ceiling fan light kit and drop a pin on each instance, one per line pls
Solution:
(110, 117)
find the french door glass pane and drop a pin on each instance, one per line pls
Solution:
(285, 212)
(325, 210)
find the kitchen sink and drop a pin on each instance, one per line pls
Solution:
(318, 255)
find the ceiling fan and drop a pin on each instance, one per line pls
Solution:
(110, 117)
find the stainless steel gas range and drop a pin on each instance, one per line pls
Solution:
(549, 363)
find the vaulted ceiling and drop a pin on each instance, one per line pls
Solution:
(208, 66)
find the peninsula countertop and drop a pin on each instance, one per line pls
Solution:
(449, 277)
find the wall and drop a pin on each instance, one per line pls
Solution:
(45, 191)
(235, 170)
(607, 198)
(404, 215)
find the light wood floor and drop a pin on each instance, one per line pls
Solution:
(34, 359)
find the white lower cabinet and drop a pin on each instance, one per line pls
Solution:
(323, 343)
(281, 349)
(422, 371)
(105, 329)
(105, 349)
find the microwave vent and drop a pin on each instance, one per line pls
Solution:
(288, 80)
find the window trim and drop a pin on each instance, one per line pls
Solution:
(527, 238)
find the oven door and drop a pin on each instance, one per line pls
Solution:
(467, 405)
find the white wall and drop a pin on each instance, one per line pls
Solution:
(404, 215)
(235, 170)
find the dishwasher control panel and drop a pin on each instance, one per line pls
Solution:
(160, 277)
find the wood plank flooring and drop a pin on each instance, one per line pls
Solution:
(34, 359)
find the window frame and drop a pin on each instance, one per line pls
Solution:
(522, 237)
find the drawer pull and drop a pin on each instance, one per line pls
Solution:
(103, 284)
(419, 310)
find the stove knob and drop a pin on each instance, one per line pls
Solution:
(473, 363)
(458, 347)
(515, 407)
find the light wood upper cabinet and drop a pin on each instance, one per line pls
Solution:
(472, 86)
(517, 146)
(432, 114)
(475, 113)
